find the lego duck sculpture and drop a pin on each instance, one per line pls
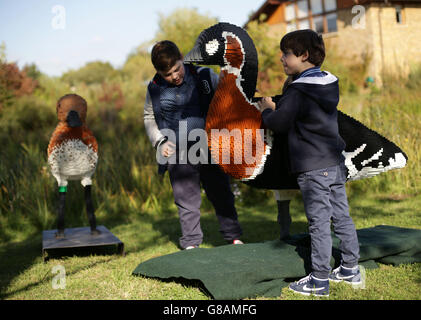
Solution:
(73, 155)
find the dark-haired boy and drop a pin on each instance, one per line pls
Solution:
(177, 93)
(307, 113)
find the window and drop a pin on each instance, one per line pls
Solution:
(318, 24)
(316, 6)
(319, 15)
(331, 22)
(302, 6)
(399, 18)
(330, 5)
(290, 12)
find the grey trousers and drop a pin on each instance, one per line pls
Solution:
(325, 200)
(186, 180)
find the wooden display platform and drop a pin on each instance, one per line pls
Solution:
(79, 238)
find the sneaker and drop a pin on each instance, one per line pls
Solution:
(237, 241)
(348, 275)
(191, 247)
(311, 285)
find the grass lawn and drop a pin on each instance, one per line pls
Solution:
(24, 275)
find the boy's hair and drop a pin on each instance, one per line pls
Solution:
(164, 55)
(300, 41)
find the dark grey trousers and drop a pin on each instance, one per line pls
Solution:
(186, 181)
(325, 199)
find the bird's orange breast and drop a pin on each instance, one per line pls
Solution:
(63, 133)
(231, 110)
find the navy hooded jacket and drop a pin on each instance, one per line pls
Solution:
(307, 113)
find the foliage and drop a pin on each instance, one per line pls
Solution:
(136, 73)
(414, 78)
(2, 52)
(351, 75)
(394, 112)
(25, 119)
(173, 27)
(95, 72)
(14, 83)
(271, 75)
(138, 66)
(32, 71)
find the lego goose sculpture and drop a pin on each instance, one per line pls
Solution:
(261, 161)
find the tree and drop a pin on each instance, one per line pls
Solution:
(271, 75)
(14, 83)
(92, 72)
(138, 65)
(183, 26)
(32, 71)
(2, 52)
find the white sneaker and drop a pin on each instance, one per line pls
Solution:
(237, 241)
(190, 247)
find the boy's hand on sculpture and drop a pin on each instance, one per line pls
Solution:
(167, 149)
(266, 103)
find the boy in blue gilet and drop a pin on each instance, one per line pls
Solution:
(178, 98)
(307, 113)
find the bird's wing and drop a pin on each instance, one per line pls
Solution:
(89, 139)
(367, 153)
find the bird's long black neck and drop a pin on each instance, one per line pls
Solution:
(249, 78)
(250, 67)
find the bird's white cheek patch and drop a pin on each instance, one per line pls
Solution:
(212, 47)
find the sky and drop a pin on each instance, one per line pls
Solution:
(58, 35)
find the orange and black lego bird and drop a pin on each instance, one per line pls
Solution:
(259, 158)
(231, 112)
(73, 154)
(253, 154)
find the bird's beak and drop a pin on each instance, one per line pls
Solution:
(194, 56)
(73, 119)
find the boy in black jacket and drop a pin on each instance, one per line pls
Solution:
(307, 113)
